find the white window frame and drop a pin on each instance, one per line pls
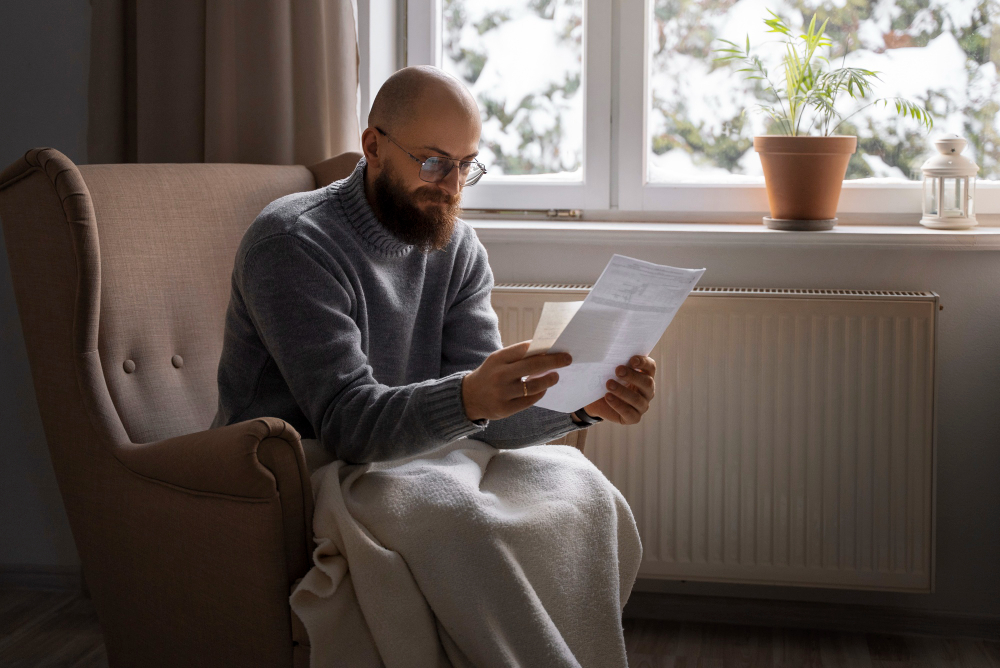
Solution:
(615, 143)
(380, 51)
(512, 192)
(863, 200)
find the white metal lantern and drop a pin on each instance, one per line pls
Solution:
(949, 187)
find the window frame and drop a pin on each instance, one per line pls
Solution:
(380, 48)
(862, 200)
(423, 47)
(616, 138)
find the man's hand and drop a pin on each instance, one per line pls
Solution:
(495, 390)
(626, 404)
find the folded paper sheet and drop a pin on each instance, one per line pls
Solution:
(551, 323)
(625, 314)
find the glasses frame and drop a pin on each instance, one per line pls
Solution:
(468, 182)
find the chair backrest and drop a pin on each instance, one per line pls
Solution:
(122, 274)
(168, 236)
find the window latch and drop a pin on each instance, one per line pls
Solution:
(574, 214)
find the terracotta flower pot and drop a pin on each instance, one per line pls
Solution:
(803, 177)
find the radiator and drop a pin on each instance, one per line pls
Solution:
(790, 441)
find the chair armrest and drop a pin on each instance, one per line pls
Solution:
(205, 533)
(256, 460)
(231, 460)
(577, 439)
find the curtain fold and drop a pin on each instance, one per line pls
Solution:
(272, 81)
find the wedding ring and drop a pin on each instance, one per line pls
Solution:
(525, 386)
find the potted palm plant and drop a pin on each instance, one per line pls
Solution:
(805, 163)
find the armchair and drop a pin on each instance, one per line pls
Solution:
(190, 539)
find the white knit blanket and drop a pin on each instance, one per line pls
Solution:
(469, 556)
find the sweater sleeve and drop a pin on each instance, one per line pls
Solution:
(302, 308)
(471, 333)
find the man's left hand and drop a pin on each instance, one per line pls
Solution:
(626, 403)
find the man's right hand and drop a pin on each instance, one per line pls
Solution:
(495, 390)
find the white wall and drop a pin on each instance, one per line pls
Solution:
(44, 49)
(968, 365)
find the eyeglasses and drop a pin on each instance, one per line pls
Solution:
(436, 168)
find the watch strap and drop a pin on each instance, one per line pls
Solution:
(586, 418)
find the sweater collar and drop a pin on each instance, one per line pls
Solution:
(362, 218)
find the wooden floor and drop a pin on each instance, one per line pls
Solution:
(40, 628)
(653, 644)
(46, 629)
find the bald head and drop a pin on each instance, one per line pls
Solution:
(419, 113)
(413, 94)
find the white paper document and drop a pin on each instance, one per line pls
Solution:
(625, 314)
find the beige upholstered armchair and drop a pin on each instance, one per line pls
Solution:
(190, 539)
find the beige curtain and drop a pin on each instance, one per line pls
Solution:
(255, 81)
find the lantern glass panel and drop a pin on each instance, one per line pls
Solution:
(972, 197)
(954, 196)
(930, 196)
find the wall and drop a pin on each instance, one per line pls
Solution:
(44, 48)
(968, 446)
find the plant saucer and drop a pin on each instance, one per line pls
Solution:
(790, 225)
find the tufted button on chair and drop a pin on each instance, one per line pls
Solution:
(190, 539)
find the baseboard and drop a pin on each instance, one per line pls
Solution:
(808, 615)
(50, 578)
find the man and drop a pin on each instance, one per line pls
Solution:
(360, 312)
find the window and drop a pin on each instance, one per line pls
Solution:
(540, 70)
(532, 116)
(548, 74)
(935, 53)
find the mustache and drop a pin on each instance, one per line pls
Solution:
(436, 195)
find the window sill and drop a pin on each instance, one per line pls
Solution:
(673, 234)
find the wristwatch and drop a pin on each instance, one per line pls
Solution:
(586, 418)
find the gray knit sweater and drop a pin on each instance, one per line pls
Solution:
(358, 339)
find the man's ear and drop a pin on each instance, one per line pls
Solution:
(369, 144)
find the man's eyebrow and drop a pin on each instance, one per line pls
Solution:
(448, 155)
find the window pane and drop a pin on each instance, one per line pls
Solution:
(523, 61)
(940, 54)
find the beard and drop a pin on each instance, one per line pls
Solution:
(398, 211)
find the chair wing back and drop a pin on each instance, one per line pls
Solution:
(122, 274)
(167, 238)
(109, 261)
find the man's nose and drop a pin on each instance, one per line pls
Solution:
(452, 183)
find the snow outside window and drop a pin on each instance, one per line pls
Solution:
(939, 53)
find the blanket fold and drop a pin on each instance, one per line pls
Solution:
(469, 556)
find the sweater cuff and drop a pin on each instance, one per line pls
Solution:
(547, 426)
(446, 419)
(564, 425)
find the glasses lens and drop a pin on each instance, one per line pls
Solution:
(473, 173)
(435, 169)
